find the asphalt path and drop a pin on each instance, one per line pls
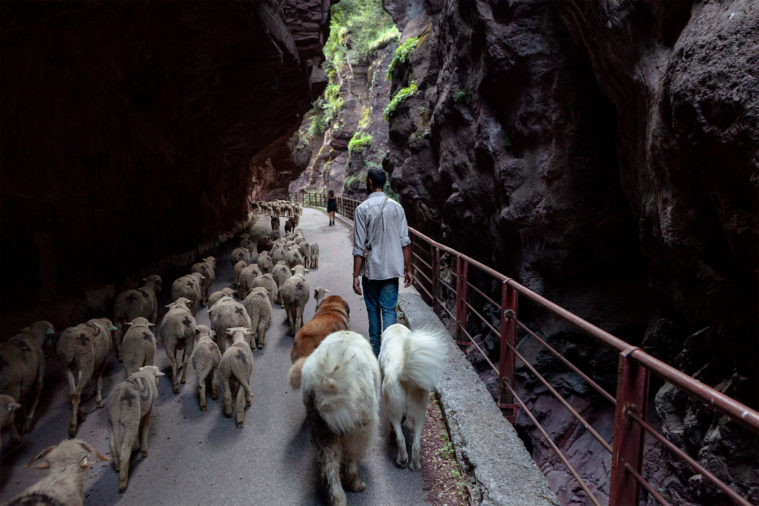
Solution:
(202, 458)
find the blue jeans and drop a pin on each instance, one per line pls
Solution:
(380, 296)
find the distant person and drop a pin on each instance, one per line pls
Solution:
(381, 254)
(331, 207)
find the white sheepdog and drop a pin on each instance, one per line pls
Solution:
(340, 384)
(411, 364)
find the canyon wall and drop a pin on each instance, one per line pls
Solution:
(606, 155)
(131, 130)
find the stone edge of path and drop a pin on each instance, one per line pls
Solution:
(487, 445)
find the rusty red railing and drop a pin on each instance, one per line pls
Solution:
(435, 280)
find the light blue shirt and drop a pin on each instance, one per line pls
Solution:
(386, 257)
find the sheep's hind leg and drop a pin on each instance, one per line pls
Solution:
(202, 374)
(144, 433)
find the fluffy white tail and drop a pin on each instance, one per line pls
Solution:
(425, 354)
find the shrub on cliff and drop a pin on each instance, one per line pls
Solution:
(401, 55)
(399, 97)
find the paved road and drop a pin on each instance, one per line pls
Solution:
(202, 458)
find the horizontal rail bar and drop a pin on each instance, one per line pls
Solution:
(451, 315)
(737, 411)
(449, 287)
(423, 288)
(422, 261)
(561, 399)
(483, 294)
(689, 460)
(493, 329)
(643, 483)
(419, 271)
(555, 448)
(484, 355)
(598, 388)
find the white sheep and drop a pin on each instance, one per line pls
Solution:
(295, 294)
(303, 249)
(22, 362)
(84, 350)
(245, 283)
(178, 329)
(239, 266)
(258, 306)
(319, 294)
(240, 254)
(313, 256)
(138, 346)
(142, 301)
(189, 286)
(281, 273)
(237, 363)
(208, 269)
(265, 263)
(8, 407)
(205, 360)
(128, 407)
(277, 253)
(227, 314)
(267, 281)
(218, 294)
(293, 257)
(69, 463)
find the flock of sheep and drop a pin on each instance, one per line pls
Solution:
(221, 354)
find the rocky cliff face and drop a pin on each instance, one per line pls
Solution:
(326, 161)
(606, 154)
(131, 131)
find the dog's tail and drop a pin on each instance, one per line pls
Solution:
(295, 372)
(425, 353)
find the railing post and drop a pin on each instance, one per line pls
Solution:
(509, 299)
(632, 395)
(461, 288)
(435, 255)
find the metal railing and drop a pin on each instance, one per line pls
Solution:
(436, 281)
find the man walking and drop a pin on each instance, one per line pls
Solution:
(382, 253)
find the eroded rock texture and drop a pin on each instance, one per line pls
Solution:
(606, 154)
(131, 129)
(325, 161)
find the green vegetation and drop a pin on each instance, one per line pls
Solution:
(358, 142)
(460, 96)
(506, 141)
(357, 28)
(402, 53)
(399, 97)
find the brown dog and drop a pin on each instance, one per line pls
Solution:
(331, 315)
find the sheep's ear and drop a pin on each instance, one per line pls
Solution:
(25, 329)
(112, 327)
(151, 324)
(248, 332)
(169, 305)
(132, 322)
(49, 332)
(13, 406)
(229, 332)
(43, 464)
(144, 280)
(159, 373)
(93, 451)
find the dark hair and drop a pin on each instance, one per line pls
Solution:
(332, 193)
(377, 177)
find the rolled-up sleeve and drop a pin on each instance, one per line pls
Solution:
(359, 232)
(405, 239)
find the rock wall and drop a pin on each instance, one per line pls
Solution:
(325, 161)
(131, 131)
(606, 154)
